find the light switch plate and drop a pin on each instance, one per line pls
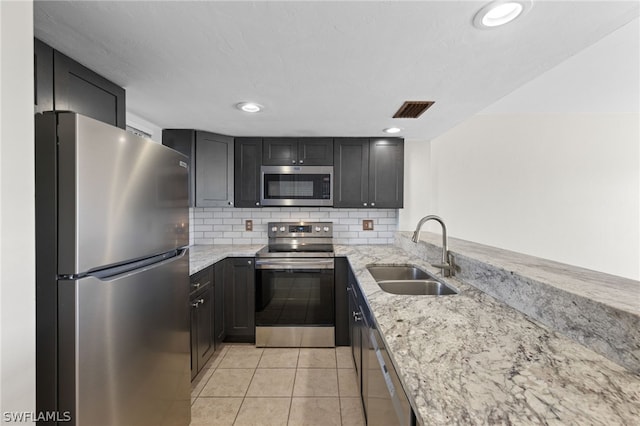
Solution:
(248, 225)
(367, 225)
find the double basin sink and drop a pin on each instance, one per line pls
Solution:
(409, 280)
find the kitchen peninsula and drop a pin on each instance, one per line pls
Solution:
(471, 358)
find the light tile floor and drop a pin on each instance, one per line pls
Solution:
(245, 385)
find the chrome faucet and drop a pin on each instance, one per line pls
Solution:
(447, 265)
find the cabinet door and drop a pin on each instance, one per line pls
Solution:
(386, 173)
(42, 76)
(77, 88)
(204, 332)
(239, 294)
(247, 161)
(342, 301)
(315, 151)
(279, 151)
(218, 302)
(194, 339)
(351, 172)
(354, 334)
(183, 141)
(214, 170)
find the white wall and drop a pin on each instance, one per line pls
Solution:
(417, 183)
(17, 209)
(146, 126)
(553, 169)
(558, 186)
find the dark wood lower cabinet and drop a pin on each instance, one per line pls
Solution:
(341, 272)
(239, 297)
(202, 343)
(218, 302)
(222, 308)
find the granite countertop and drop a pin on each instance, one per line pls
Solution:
(471, 359)
(206, 255)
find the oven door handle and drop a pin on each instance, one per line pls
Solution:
(293, 264)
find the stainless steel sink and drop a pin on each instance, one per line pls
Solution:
(398, 272)
(417, 287)
(408, 279)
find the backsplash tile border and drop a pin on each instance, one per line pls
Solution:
(218, 225)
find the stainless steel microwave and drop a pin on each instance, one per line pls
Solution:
(296, 185)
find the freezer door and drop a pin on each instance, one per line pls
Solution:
(121, 197)
(124, 355)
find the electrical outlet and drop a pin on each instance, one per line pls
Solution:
(367, 225)
(248, 225)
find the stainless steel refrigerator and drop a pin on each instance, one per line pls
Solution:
(112, 276)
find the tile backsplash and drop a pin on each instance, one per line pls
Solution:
(227, 225)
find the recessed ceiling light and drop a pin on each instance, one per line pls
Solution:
(392, 130)
(249, 107)
(500, 12)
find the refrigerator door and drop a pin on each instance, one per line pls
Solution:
(121, 197)
(124, 347)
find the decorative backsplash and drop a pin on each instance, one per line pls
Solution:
(227, 225)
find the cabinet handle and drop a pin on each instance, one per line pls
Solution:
(301, 161)
(195, 304)
(249, 262)
(230, 203)
(201, 301)
(357, 316)
(373, 204)
(257, 203)
(293, 161)
(195, 285)
(364, 204)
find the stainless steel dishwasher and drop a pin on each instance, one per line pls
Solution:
(387, 404)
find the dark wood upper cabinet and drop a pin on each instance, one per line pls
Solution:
(183, 141)
(214, 170)
(279, 151)
(315, 151)
(297, 151)
(351, 173)
(210, 165)
(77, 88)
(386, 173)
(62, 84)
(42, 76)
(247, 160)
(368, 173)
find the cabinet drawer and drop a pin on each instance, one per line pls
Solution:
(200, 280)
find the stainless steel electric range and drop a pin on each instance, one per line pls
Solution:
(295, 302)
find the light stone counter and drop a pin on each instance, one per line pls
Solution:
(598, 310)
(471, 359)
(205, 255)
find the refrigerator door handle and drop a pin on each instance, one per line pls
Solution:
(117, 271)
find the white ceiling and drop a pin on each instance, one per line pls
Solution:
(602, 79)
(319, 68)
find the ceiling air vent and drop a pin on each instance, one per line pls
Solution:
(412, 109)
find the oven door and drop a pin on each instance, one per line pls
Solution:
(296, 186)
(295, 303)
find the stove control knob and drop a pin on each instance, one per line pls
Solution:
(325, 229)
(317, 229)
(282, 229)
(274, 228)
